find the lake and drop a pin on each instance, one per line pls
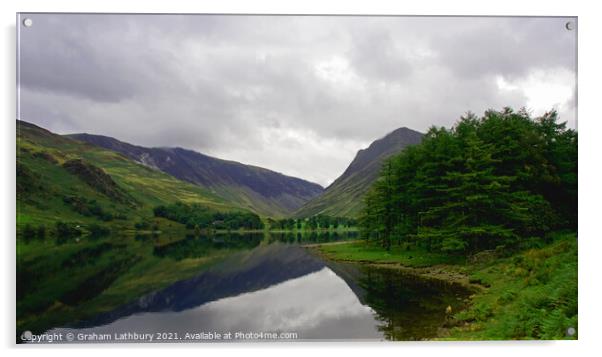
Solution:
(273, 288)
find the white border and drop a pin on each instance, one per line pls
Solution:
(589, 178)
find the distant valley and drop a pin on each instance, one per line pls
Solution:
(263, 191)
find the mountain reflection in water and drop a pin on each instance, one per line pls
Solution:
(284, 288)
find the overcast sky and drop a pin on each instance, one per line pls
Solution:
(298, 95)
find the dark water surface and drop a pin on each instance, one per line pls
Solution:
(276, 289)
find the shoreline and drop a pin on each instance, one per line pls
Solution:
(441, 272)
(533, 286)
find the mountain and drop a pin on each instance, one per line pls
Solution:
(263, 191)
(344, 196)
(61, 179)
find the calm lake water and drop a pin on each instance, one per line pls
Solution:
(275, 289)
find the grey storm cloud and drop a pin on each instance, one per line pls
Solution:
(296, 94)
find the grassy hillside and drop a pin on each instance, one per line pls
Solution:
(344, 197)
(47, 173)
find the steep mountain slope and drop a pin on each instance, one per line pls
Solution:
(263, 191)
(62, 179)
(344, 196)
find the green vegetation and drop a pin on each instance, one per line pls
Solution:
(310, 237)
(198, 217)
(66, 231)
(90, 208)
(531, 294)
(58, 284)
(30, 233)
(97, 179)
(64, 186)
(499, 181)
(405, 254)
(322, 222)
(486, 200)
(194, 247)
(62, 179)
